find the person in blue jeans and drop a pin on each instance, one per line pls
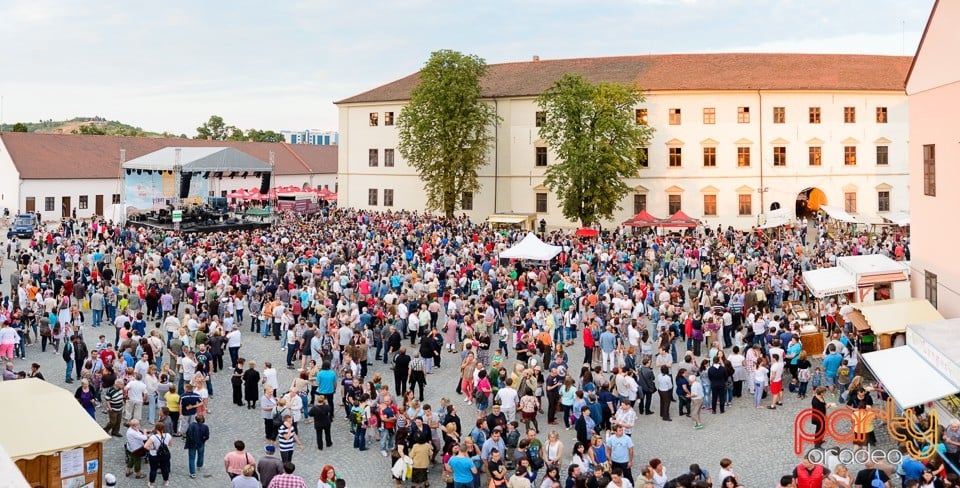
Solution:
(195, 439)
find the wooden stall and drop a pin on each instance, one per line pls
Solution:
(52, 439)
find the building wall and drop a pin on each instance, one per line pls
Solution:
(74, 189)
(934, 234)
(511, 179)
(9, 182)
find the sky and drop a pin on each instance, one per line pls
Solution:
(169, 66)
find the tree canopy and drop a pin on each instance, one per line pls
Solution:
(445, 129)
(217, 130)
(20, 127)
(593, 131)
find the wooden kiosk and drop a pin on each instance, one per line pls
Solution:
(50, 437)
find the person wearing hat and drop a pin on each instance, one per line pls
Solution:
(269, 465)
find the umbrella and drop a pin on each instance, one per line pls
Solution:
(241, 193)
(587, 232)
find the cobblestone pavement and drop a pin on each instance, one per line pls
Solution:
(758, 441)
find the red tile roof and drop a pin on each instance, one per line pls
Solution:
(69, 156)
(659, 72)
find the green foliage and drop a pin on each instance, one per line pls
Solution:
(445, 129)
(90, 130)
(593, 131)
(20, 127)
(214, 129)
(264, 136)
(88, 126)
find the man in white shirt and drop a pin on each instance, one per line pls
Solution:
(270, 377)
(627, 388)
(776, 381)
(509, 398)
(136, 392)
(625, 416)
(188, 368)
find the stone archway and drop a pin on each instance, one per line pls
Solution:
(809, 201)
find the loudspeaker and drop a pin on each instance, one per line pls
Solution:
(185, 184)
(265, 184)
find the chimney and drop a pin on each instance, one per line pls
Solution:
(123, 156)
(536, 58)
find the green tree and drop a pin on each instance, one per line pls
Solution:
(20, 127)
(264, 136)
(214, 129)
(90, 130)
(444, 131)
(593, 131)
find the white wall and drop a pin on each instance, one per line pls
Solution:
(518, 179)
(9, 182)
(41, 189)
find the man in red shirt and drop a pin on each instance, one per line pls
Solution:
(108, 355)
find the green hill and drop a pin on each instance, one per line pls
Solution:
(88, 125)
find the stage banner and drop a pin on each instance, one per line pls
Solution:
(154, 190)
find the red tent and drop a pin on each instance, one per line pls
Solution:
(642, 219)
(681, 220)
(241, 194)
(587, 232)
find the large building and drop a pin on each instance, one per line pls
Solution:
(311, 136)
(933, 90)
(59, 175)
(736, 135)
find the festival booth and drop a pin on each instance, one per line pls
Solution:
(50, 437)
(888, 319)
(531, 248)
(512, 221)
(679, 220)
(642, 219)
(775, 218)
(865, 278)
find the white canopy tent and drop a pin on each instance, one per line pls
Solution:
(908, 377)
(901, 219)
(826, 282)
(776, 218)
(531, 247)
(198, 159)
(838, 213)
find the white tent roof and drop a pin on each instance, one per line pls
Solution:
(65, 424)
(197, 159)
(871, 264)
(531, 247)
(899, 368)
(838, 213)
(892, 316)
(825, 282)
(900, 218)
(776, 218)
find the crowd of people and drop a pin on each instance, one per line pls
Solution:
(355, 297)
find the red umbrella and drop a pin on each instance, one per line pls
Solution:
(241, 193)
(587, 232)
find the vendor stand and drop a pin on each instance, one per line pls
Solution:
(512, 221)
(885, 320)
(50, 437)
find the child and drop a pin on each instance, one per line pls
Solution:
(817, 378)
(803, 376)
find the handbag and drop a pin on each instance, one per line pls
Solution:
(139, 452)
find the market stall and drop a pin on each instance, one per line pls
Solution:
(531, 248)
(886, 319)
(51, 438)
(512, 221)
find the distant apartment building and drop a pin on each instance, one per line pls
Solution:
(312, 136)
(933, 93)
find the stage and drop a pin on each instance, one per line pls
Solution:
(242, 224)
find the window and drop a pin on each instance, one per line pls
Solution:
(673, 204)
(676, 157)
(223, 193)
(815, 155)
(48, 204)
(541, 156)
(388, 197)
(779, 115)
(814, 115)
(929, 170)
(541, 203)
(388, 118)
(883, 201)
(709, 205)
(639, 202)
(743, 115)
(745, 206)
(930, 287)
(881, 115)
(388, 158)
(674, 116)
(643, 157)
(374, 157)
(850, 155)
(883, 155)
(743, 157)
(850, 202)
(849, 115)
(641, 114)
(466, 200)
(709, 157)
(779, 155)
(372, 196)
(710, 115)
(540, 118)
(84, 202)
(374, 119)
(115, 199)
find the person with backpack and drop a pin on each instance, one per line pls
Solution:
(158, 454)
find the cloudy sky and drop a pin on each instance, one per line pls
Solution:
(280, 65)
